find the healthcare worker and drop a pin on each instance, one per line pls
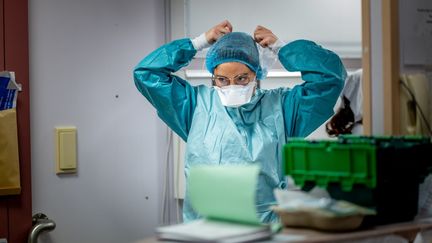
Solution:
(234, 122)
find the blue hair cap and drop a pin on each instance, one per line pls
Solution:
(234, 47)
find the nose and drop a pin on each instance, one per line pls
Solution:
(232, 82)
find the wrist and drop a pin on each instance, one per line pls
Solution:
(200, 42)
(276, 46)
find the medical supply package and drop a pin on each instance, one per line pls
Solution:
(9, 159)
(302, 209)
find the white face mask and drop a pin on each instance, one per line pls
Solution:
(236, 95)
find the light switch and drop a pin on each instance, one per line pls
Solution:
(66, 149)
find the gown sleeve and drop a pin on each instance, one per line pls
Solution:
(173, 97)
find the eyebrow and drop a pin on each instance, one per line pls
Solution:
(221, 76)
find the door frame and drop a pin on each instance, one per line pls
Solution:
(16, 211)
(391, 67)
(366, 66)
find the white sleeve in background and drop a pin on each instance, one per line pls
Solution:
(353, 91)
(275, 47)
(200, 42)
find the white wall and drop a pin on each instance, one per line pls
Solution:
(82, 54)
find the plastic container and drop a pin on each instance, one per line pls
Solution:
(383, 173)
(326, 162)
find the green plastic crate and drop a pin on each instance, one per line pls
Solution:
(369, 171)
(325, 162)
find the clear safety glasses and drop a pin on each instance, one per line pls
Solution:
(241, 79)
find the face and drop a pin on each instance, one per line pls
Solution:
(232, 73)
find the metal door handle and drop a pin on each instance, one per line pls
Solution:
(40, 223)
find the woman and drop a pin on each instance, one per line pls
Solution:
(234, 122)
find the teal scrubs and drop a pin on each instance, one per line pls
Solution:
(253, 133)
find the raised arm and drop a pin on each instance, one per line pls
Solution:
(173, 97)
(310, 104)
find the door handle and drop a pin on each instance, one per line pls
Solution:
(40, 223)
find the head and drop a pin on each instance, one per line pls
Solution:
(234, 60)
(232, 73)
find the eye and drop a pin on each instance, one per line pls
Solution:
(221, 80)
(242, 79)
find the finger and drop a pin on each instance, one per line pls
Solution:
(264, 43)
(225, 22)
(223, 30)
(228, 24)
(220, 25)
(261, 28)
(258, 37)
(257, 29)
(261, 33)
(258, 40)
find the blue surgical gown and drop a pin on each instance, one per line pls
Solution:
(250, 134)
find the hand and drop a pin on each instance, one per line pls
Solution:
(264, 36)
(213, 34)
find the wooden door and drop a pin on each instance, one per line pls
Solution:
(3, 204)
(16, 211)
